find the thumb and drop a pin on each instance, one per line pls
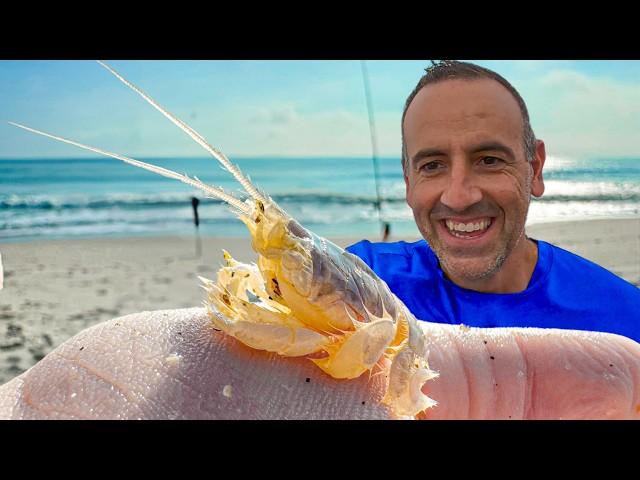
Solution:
(531, 373)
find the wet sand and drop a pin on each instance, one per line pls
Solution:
(55, 289)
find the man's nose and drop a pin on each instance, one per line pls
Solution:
(461, 191)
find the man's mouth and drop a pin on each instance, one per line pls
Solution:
(468, 229)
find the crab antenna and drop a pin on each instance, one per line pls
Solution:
(213, 191)
(221, 157)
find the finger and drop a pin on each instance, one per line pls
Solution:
(532, 373)
(174, 364)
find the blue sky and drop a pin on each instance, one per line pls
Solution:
(582, 109)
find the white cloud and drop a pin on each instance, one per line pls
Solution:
(286, 130)
(577, 115)
(583, 116)
(536, 66)
(276, 115)
(323, 133)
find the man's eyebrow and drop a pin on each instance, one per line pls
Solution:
(493, 147)
(427, 152)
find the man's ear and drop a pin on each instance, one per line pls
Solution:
(537, 164)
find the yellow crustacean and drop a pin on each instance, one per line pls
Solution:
(305, 296)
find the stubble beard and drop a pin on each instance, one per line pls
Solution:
(470, 268)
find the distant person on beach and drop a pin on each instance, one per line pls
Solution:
(386, 232)
(471, 162)
(194, 203)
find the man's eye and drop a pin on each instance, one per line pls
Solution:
(490, 161)
(430, 166)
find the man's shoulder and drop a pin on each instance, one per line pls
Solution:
(370, 251)
(388, 248)
(579, 270)
(393, 258)
(409, 268)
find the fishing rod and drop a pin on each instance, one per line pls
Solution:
(384, 226)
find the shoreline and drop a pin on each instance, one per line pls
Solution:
(53, 289)
(535, 226)
(547, 225)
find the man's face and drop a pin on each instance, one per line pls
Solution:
(467, 178)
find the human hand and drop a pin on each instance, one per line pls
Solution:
(173, 364)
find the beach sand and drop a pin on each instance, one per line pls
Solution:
(55, 289)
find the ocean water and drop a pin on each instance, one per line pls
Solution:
(101, 197)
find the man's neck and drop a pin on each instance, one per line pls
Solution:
(512, 277)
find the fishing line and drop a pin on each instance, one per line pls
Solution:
(384, 226)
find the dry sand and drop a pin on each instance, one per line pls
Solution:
(55, 289)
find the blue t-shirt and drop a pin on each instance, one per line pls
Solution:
(565, 291)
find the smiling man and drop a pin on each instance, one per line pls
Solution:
(471, 164)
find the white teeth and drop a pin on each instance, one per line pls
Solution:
(468, 227)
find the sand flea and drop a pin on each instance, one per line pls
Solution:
(173, 359)
(227, 391)
(305, 296)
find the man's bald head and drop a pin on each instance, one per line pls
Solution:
(454, 70)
